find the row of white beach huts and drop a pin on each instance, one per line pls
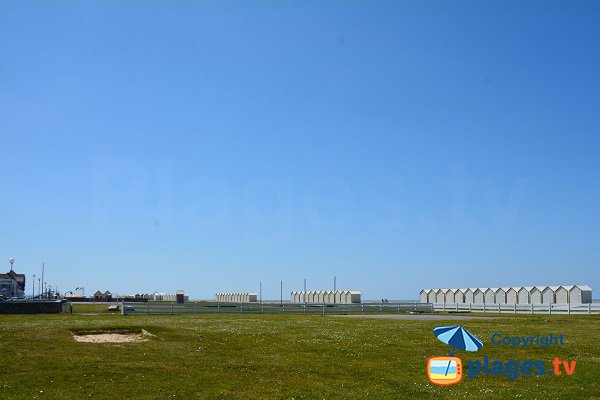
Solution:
(326, 297)
(236, 297)
(299, 297)
(574, 294)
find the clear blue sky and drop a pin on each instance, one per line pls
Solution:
(208, 146)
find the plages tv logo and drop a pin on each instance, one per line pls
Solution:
(448, 370)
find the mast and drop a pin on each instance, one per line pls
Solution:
(42, 278)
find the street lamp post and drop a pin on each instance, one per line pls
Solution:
(304, 291)
(13, 288)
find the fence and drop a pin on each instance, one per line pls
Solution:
(34, 307)
(556, 308)
(273, 308)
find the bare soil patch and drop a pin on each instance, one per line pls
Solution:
(107, 336)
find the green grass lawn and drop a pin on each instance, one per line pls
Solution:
(262, 357)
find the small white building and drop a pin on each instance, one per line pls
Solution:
(561, 294)
(440, 296)
(423, 295)
(431, 296)
(548, 294)
(459, 296)
(535, 295)
(489, 295)
(478, 296)
(452, 296)
(470, 295)
(580, 294)
(511, 295)
(523, 295)
(501, 295)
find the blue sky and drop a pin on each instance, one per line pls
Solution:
(209, 146)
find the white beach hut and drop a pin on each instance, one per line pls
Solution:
(423, 295)
(470, 295)
(478, 296)
(562, 294)
(548, 294)
(501, 295)
(451, 295)
(511, 295)
(523, 295)
(355, 296)
(489, 295)
(459, 296)
(580, 294)
(440, 296)
(535, 294)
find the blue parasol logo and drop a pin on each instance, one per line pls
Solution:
(458, 338)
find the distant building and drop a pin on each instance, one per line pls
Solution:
(156, 296)
(572, 294)
(236, 297)
(106, 296)
(170, 296)
(12, 284)
(326, 297)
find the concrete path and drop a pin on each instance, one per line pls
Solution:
(420, 317)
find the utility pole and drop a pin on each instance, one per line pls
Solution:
(33, 288)
(261, 293)
(305, 290)
(13, 289)
(281, 292)
(334, 287)
(39, 288)
(43, 282)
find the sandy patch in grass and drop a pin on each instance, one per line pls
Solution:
(112, 337)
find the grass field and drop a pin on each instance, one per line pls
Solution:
(287, 357)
